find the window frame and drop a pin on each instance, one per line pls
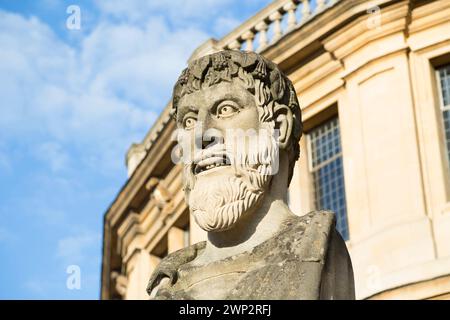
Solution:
(311, 169)
(442, 109)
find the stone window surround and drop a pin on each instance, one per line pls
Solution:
(315, 164)
(444, 105)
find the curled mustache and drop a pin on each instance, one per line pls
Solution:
(249, 165)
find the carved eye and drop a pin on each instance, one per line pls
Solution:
(189, 123)
(226, 110)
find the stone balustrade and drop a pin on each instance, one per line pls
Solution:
(272, 23)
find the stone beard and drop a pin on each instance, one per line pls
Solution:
(218, 201)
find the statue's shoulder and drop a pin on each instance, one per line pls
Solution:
(314, 225)
(325, 218)
(325, 247)
(318, 229)
(301, 239)
(294, 260)
(169, 265)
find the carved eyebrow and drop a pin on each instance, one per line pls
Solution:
(230, 96)
(184, 110)
(234, 99)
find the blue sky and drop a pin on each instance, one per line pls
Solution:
(71, 103)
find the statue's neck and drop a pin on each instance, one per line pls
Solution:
(252, 230)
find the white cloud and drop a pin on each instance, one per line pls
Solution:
(98, 98)
(150, 57)
(223, 24)
(75, 249)
(53, 153)
(178, 11)
(78, 107)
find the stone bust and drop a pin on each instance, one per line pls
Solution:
(236, 189)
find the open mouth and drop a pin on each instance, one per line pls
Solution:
(211, 163)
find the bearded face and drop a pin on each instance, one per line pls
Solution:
(227, 177)
(228, 180)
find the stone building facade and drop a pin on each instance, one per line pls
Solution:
(373, 79)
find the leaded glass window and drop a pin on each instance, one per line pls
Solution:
(327, 172)
(444, 85)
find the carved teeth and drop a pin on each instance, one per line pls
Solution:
(210, 166)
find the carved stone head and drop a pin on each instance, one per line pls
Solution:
(237, 113)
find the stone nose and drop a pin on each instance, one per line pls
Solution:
(209, 138)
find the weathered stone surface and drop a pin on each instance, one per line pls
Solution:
(307, 259)
(236, 184)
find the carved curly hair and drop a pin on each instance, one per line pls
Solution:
(261, 77)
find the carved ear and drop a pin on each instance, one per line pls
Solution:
(283, 122)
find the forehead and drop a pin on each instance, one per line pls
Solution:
(234, 90)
